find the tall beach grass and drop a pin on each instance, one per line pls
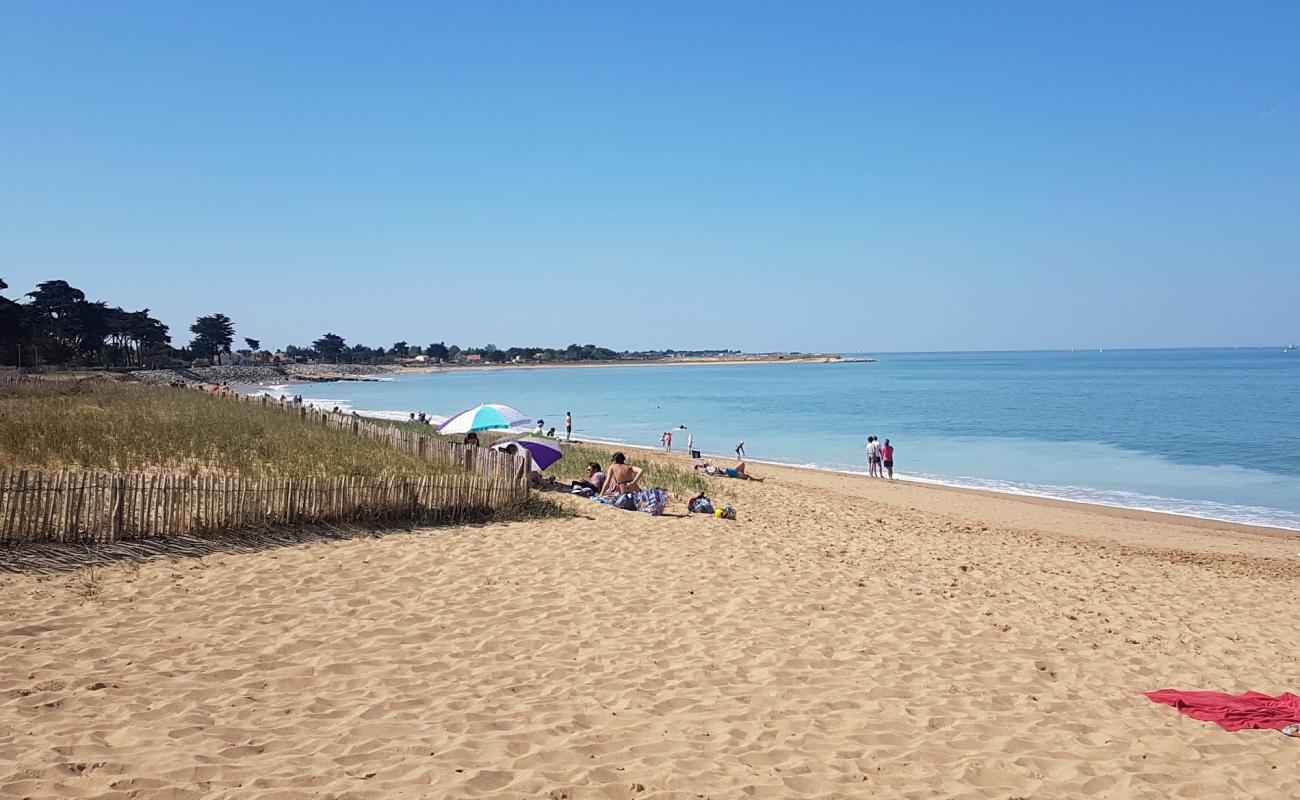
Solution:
(110, 425)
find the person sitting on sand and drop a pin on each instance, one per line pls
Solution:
(737, 471)
(595, 479)
(621, 477)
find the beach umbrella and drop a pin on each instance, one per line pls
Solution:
(487, 417)
(545, 452)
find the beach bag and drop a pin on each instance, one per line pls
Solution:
(654, 501)
(695, 454)
(625, 501)
(725, 513)
(702, 505)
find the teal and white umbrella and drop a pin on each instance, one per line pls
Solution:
(492, 416)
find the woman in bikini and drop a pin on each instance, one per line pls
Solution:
(621, 477)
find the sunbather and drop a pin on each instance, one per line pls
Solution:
(595, 479)
(737, 471)
(621, 477)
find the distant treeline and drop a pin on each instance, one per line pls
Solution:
(57, 325)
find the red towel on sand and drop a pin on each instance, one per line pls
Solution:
(1233, 712)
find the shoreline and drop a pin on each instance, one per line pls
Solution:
(655, 362)
(1124, 512)
(940, 482)
(267, 375)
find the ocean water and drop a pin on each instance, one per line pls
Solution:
(1210, 433)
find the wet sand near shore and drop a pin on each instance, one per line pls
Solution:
(843, 638)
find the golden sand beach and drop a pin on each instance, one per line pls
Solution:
(843, 638)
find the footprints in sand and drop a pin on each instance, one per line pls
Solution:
(790, 654)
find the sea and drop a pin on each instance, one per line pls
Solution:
(1211, 433)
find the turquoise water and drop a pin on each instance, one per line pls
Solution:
(1212, 433)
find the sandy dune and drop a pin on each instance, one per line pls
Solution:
(842, 639)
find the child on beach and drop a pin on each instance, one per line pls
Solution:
(740, 449)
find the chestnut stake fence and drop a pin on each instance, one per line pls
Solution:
(78, 506)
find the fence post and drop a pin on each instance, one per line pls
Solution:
(117, 504)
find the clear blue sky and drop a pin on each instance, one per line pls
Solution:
(834, 176)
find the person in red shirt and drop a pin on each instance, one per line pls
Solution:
(887, 455)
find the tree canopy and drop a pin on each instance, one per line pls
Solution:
(58, 325)
(212, 336)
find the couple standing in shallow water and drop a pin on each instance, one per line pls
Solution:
(880, 457)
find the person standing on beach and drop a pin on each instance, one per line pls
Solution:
(740, 449)
(668, 442)
(873, 457)
(568, 426)
(887, 457)
(690, 443)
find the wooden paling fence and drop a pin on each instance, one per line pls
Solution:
(76, 506)
(104, 507)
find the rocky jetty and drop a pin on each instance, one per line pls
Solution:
(267, 375)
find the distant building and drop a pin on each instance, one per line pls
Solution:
(473, 358)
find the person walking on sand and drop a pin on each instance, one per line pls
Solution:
(887, 457)
(873, 457)
(568, 426)
(740, 450)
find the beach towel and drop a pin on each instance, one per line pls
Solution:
(653, 501)
(1233, 712)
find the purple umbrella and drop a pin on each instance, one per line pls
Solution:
(544, 451)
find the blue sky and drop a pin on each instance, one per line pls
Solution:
(831, 176)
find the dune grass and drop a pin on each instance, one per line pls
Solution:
(101, 424)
